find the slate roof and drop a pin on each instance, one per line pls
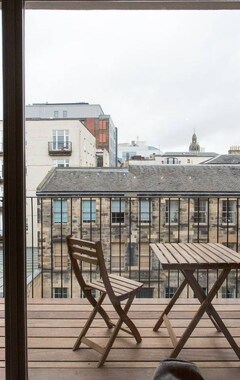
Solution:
(224, 159)
(190, 154)
(74, 110)
(143, 180)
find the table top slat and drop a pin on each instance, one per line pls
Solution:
(192, 259)
(159, 254)
(197, 254)
(193, 256)
(218, 253)
(170, 259)
(179, 257)
(230, 253)
(203, 252)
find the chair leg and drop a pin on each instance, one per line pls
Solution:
(84, 331)
(101, 311)
(123, 315)
(123, 318)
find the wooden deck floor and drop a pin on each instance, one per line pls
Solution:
(53, 325)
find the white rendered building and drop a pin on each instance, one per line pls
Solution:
(51, 143)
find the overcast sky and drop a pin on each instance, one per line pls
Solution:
(159, 74)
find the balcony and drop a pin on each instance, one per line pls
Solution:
(54, 324)
(126, 226)
(60, 148)
(126, 229)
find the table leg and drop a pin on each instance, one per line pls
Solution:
(170, 304)
(212, 311)
(201, 297)
(204, 307)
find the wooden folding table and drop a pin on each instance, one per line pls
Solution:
(187, 258)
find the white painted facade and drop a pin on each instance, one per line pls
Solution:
(175, 159)
(39, 133)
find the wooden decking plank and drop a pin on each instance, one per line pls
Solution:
(122, 342)
(142, 373)
(61, 323)
(145, 332)
(90, 374)
(112, 364)
(219, 303)
(137, 315)
(53, 328)
(132, 354)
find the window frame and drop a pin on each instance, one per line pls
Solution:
(200, 216)
(60, 292)
(60, 215)
(91, 211)
(145, 211)
(64, 164)
(118, 216)
(230, 216)
(228, 292)
(169, 291)
(168, 211)
(117, 254)
(144, 257)
(60, 138)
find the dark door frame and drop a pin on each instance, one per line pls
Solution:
(14, 155)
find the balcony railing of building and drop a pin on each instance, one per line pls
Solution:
(60, 148)
(126, 226)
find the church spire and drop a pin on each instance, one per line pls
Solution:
(194, 146)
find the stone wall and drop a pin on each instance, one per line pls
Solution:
(126, 245)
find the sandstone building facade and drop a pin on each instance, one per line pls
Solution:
(130, 208)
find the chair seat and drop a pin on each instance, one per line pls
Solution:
(121, 286)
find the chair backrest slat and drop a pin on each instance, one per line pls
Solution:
(92, 253)
(84, 258)
(84, 250)
(78, 242)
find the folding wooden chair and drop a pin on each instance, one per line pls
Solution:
(116, 287)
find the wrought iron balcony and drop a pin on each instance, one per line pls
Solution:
(125, 239)
(126, 230)
(56, 148)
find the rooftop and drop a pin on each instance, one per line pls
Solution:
(190, 154)
(74, 110)
(224, 159)
(152, 180)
